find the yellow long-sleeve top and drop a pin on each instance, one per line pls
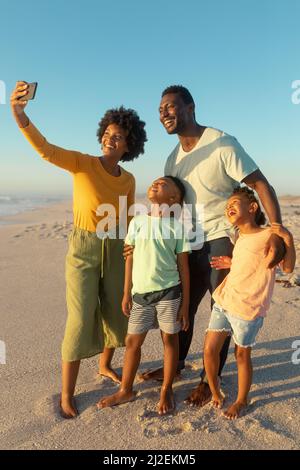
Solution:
(93, 186)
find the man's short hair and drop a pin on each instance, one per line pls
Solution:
(180, 90)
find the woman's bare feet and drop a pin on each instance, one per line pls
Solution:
(67, 408)
(116, 399)
(200, 396)
(166, 403)
(234, 410)
(110, 374)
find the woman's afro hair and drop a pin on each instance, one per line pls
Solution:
(129, 120)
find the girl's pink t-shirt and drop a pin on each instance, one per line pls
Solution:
(247, 290)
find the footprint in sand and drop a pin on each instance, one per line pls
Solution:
(293, 303)
(154, 425)
(48, 407)
(182, 420)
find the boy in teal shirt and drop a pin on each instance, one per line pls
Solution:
(156, 290)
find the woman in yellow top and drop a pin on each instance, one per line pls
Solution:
(94, 265)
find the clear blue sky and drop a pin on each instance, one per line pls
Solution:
(238, 58)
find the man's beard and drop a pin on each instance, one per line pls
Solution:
(178, 129)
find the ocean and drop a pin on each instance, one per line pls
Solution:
(11, 205)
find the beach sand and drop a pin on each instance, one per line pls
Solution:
(32, 320)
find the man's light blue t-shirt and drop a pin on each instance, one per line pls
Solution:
(210, 172)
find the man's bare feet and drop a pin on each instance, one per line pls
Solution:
(157, 374)
(67, 408)
(166, 403)
(218, 400)
(234, 410)
(200, 396)
(116, 399)
(110, 374)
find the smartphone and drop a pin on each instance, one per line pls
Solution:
(31, 92)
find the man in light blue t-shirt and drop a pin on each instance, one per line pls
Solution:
(210, 163)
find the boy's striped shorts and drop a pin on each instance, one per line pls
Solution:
(155, 310)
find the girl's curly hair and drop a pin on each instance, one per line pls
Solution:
(129, 120)
(260, 218)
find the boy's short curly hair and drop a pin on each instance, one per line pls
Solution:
(260, 218)
(180, 186)
(129, 120)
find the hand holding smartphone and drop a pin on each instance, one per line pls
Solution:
(30, 93)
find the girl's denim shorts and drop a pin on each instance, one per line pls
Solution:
(244, 332)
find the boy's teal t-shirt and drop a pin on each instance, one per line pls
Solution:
(157, 241)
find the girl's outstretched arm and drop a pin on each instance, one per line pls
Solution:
(220, 262)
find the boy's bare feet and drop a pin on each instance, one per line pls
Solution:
(200, 396)
(157, 374)
(110, 374)
(116, 399)
(234, 410)
(166, 403)
(67, 408)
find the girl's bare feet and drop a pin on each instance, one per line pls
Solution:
(234, 410)
(68, 408)
(110, 374)
(116, 399)
(166, 403)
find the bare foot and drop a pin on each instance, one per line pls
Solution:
(234, 410)
(218, 400)
(110, 374)
(67, 408)
(157, 374)
(166, 403)
(116, 399)
(200, 395)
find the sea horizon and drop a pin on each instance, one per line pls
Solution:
(13, 204)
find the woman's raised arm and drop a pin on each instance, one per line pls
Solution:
(67, 159)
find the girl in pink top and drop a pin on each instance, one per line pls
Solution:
(243, 298)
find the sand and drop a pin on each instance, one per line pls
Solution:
(32, 319)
